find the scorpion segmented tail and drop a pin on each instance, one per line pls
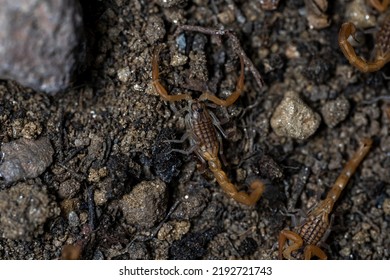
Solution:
(256, 186)
(348, 170)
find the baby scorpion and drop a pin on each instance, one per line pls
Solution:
(315, 227)
(204, 138)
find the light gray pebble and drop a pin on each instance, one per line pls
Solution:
(155, 29)
(73, 219)
(335, 111)
(293, 118)
(178, 59)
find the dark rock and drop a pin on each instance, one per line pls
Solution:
(193, 246)
(319, 70)
(41, 42)
(165, 162)
(269, 169)
(247, 247)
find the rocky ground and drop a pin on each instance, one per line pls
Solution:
(94, 168)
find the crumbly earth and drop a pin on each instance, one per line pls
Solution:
(110, 131)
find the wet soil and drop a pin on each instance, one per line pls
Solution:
(115, 190)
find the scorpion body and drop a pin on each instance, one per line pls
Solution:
(204, 138)
(315, 227)
(205, 141)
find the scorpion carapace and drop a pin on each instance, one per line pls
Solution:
(204, 138)
(313, 230)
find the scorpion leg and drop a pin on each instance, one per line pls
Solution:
(158, 87)
(314, 251)
(217, 124)
(289, 235)
(185, 152)
(202, 165)
(233, 97)
(349, 29)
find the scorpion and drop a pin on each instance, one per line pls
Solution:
(382, 46)
(315, 227)
(205, 141)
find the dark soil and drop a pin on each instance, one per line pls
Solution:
(116, 191)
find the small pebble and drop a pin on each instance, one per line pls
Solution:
(386, 206)
(293, 118)
(345, 252)
(73, 219)
(357, 11)
(155, 29)
(181, 42)
(171, 3)
(68, 188)
(172, 231)
(335, 111)
(146, 204)
(24, 209)
(226, 17)
(319, 70)
(138, 251)
(178, 59)
(192, 205)
(25, 158)
(31, 130)
(124, 74)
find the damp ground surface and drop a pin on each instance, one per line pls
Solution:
(116, 190)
